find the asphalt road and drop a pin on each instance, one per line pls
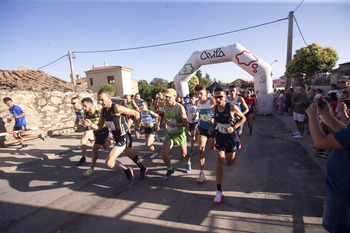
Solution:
(273, 186)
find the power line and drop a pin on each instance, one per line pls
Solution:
(299, 30)
(181, 41)
(298, 6)
(53, 62)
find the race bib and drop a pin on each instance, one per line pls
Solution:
(161, 109)
(110, 125)
(205, 117)
(222, 128)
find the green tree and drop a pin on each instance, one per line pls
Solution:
(108, 87)
(192, 83)
(312, 59)
(159, 82)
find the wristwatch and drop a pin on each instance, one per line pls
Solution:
(174, 125)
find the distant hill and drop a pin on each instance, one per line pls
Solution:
(24, 79)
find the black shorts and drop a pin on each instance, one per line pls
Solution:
(192, 126)
(101, 136)
(123, 140)
(20, 128)
(227, 142)
(150, 130)
(204, 132)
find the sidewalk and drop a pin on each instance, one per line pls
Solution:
(12, 159)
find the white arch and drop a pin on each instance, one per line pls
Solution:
(256, 67)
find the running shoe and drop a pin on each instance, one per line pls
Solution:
(202, 177)
(155, 154)
(298, 136)
(143, 172)
(129, 172)
(240, 146)
(168, 174)
(296, 133)
(23, 147)
(188, 168)
(81, 161)
(323, 155)
(219, 197)
(190, 152)
(88, 172)
(41, 136)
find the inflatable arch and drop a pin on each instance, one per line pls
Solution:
(256, 67)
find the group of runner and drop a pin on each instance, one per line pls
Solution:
(218, 118)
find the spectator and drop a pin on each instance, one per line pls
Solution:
(337, 204)
(343, 85)
(333, 89)
(300, 102)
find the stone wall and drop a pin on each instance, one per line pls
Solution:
(41, 108)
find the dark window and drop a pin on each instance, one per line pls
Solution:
(91, 82)
(110, 79)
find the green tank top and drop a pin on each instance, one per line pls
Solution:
(130, 105)
(173, 117)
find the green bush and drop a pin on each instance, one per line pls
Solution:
(108, 87)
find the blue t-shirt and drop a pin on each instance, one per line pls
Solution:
(138, 103)
(16, 111)
(338, 165)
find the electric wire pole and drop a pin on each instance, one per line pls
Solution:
(72, 78)
(289, 47)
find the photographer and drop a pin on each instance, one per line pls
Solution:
(336, 213)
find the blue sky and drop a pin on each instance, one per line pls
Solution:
(35, 33)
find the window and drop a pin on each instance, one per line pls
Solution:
(110, 79)
(91, 82)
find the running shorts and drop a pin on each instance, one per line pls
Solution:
(178, 139)
(227, 142)
(123, 140)
(204, 132)
(101, 136)
(192, 126)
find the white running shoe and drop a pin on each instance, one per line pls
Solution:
(154, 155)
(219, 197)
(296, 133)
(202, 177)
(298, 136)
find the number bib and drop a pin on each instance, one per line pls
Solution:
(110, 125)
(222, 128)
(205, 117)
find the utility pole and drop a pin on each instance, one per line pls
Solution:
(72, 78)
(289, 47)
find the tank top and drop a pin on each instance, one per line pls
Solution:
(146, 118)
(235, 102)
(191, 111)
(116, 124)
(129, 105)
(173, 116)
(223, 119)
(161, 105)
(93, 117)
(205, 113)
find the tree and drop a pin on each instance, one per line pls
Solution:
(159, 82)
(144, 88)
(312, 59)
(108, 87)
(192, 83)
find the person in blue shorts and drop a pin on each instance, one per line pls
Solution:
(18, 115)
(336, 214)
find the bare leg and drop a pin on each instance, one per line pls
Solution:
(220, 157)
(230, 157)
(202, 140)
(167, 145)
(113, 155)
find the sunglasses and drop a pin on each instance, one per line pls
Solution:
(342, 82)
(73, 103)
(220, 97)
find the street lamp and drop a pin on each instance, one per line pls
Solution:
(273, 62)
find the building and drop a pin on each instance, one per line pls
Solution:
(117, 76)
(79, 81)
(342, 70)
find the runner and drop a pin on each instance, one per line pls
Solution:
(88, 134)
(204, 106)
(250, 100)
(240, 103)
(160, 103)
(176, 121)
(92, 117)
(130, 103)
(138, 100)
(113, 115)
(192, 116)
(149, 126)
(227, 141)
(18, 115)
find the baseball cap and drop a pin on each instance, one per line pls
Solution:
(170, 92)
